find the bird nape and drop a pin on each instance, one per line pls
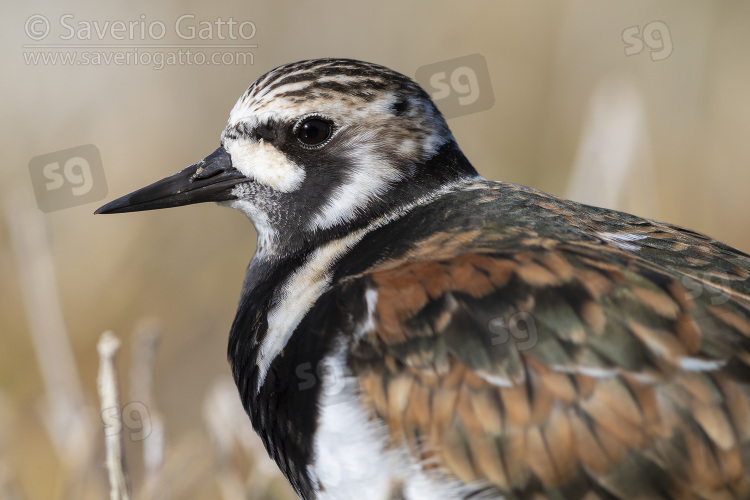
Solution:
(410, 330)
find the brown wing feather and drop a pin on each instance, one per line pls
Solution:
(563, 368)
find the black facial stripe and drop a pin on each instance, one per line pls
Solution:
(266, 131)
(270, 130)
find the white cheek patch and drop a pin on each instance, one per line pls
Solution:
(265, 164)
(369, 177)
(357, 193)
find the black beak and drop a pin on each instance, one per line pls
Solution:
(211, 179)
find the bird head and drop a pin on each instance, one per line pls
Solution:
(314, 148)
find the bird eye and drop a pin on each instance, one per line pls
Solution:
(314, 132)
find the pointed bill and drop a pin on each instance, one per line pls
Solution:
(211, 179)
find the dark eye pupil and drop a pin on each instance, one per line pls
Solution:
(314, 131)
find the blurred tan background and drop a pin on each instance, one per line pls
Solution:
(662, 135)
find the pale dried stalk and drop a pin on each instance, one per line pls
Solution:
(146, 340)
(147, 337)
(63, 410)
(110, 398)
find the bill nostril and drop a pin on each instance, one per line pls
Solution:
(214, 164)
(206, 172)
(202, 173)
